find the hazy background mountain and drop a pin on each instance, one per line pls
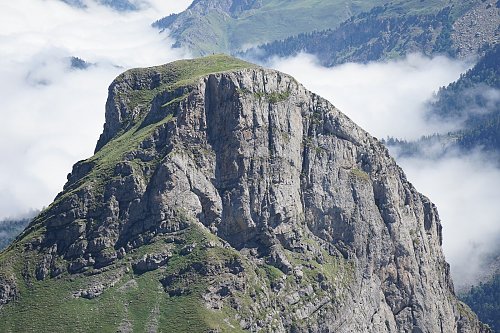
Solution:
(120, 5)
(11, 227)
(209, 26)
(455, 28)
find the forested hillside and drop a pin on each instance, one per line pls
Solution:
(473, 100)
(484, 299)
(227, 26)
(394, 30)
(10, 228)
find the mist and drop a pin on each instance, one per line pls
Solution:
(52, 114)
(465, 189)
(392, 99)
(385, 98)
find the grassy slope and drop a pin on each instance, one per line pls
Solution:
(279, 19)
(422, 7)
(137, 301)
(184, 72)
(276, 19)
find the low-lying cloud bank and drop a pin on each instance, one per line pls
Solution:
(391, 99)
(385, 98)
(465, 189)
(52, 115)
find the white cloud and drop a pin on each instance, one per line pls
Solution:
(52, 116)
(385, 98)
(465, 190)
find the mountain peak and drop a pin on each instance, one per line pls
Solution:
(226, 197)
(141, 86)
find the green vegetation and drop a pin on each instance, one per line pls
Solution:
(274, 97)
(136, 301)
(484, 300)
(272, 273)
(130, 300)
(178, 74)
(360, 174)
(386, 31)
(184, 72)
(229, 29)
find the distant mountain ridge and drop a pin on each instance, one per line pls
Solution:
(457, 28)
(226, 26)
(119, 5)
(10, 229)
(336, 31)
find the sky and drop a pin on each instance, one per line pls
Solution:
(52, 115)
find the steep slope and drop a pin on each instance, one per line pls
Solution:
(226, 197)
(472, 96)
(456, 28)
(226, 26)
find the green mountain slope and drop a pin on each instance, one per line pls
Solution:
(209, 26)
(385, 32)
(484, 299)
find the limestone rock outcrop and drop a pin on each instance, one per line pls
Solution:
(260, 199)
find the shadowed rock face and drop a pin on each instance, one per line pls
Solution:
(271, 172)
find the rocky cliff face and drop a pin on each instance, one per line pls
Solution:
(227, 197)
